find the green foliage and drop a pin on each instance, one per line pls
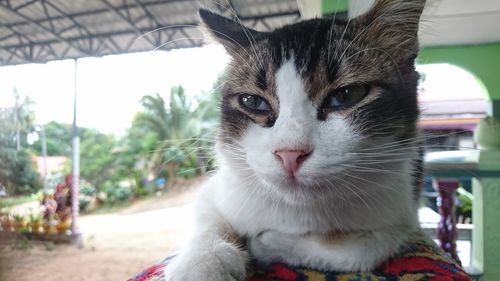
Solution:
(84, 204)
(17, 173)
(123, 194)
(35, 218)
(24, 178)
(12, 201)
(87, 189)
(117, 194)
(97, 158)
(179, 127)
(187, 171)
(22, 242)
(58, 137)
(87, 193)
(168, 138)
(142, 191)
(465, 198)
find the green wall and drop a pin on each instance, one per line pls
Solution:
(483, 61)
(332, 6)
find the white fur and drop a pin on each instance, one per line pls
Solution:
(284, 221)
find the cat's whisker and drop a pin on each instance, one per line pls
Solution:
(357, 168)
(249, 180)
(425, 137)
(352, 188)
(337, 48)
(163, 28)
(248, 34)
(374, 183)
(341, 191)
(200, 38)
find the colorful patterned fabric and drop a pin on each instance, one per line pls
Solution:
(419, 260)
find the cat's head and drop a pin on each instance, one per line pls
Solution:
(308, 103)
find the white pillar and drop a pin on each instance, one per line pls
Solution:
(310, 9)
(75, 167)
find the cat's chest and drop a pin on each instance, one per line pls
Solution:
(253, 218)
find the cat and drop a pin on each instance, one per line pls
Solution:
(319, 166)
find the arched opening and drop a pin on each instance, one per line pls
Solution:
(452, 102)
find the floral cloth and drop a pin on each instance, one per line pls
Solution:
(419, 260)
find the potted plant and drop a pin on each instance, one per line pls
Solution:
(49, 226)
(64, 220)
(19, 222)
(49, 214)
(36, 223)
(7, 223)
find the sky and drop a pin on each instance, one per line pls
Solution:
(109, 88)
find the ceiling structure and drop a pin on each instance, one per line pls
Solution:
(36, 31)
(44, 30)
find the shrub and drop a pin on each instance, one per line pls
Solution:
(187, 172)
(84, 204)
(142, 191)
(87, 189)
(117, 194)
(123, 194)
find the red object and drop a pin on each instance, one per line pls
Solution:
(419, 260)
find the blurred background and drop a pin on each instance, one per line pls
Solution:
(108, 110)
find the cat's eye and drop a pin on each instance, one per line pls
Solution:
(254, 103)
(346, 96)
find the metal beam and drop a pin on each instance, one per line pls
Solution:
(21, 48)
(100, 35)
(147, 5)
(77, 24)
(11, 53)
(19, 35)
(25, 5)
(30, 21)
(148, 13)
(105, 10)
(125, 19)
(145, 30)
(157, 24)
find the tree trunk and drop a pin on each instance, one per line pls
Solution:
(171, 171)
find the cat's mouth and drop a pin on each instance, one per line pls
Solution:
(307, 177)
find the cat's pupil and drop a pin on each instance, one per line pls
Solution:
(342, 97)
(346, 96)
(254, 103)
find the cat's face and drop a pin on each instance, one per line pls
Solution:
(308, 104)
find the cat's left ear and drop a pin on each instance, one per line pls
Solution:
(393, 25)
(234, 36)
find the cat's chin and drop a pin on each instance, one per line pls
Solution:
(295, 190)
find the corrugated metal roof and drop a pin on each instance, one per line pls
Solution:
(45, 30)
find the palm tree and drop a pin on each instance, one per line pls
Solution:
(176, 125)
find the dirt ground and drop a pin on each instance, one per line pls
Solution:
(115, 246)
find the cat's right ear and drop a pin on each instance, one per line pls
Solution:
(234, 36)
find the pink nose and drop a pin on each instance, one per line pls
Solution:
(292, 159)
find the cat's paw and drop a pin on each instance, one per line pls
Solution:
(222, 262)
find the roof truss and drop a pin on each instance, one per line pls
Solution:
(44, 30)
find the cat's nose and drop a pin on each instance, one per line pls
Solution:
(292, 159)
